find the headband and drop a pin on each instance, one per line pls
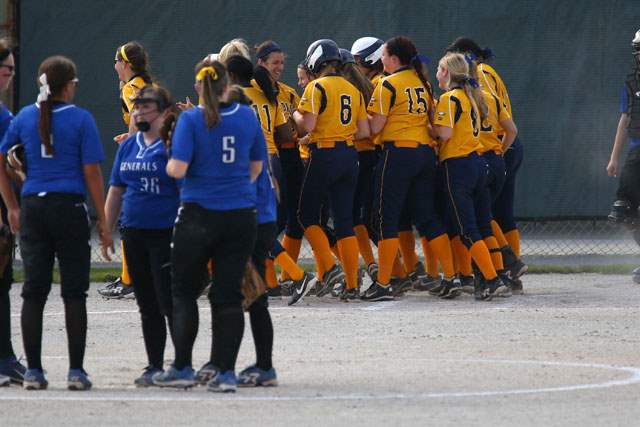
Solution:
(207, 71)
(123, 54)
(265, 51)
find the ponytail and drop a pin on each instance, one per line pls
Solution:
(423, 75)
(169, 125)
(44, 127)
(213, 77)
(263, 78)
(355, 77)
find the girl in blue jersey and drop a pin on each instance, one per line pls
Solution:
(219, 149)
(63, 154)
(139, 184)
(10, 368)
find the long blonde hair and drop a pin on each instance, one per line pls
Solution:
(234, 47)
(462, 73)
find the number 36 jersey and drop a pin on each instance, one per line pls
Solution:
(338, 105)
(404, 100)
(151, 197)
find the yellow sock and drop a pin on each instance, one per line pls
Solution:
(498, 234)
(270, 273)
(349, 251)
(430, 258)
(364, 244)
(398, 267)
(408, 250)
(513, 237)
(124, 274)
(292, 246)
(387, 255)
(494, 251)
(335, 250)
(462, 256)
(319, 269)
(441, 246)
(320, 245)
(481, 256)
(210, 267)
(287, 264)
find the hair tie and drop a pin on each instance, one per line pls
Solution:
(487, 53)
(473, 82)
(423, 58)
(210, 71)
(469, 59)
(44, 88)
(123, 55)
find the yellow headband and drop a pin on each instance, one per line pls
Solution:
(123, 55)
(207, 70)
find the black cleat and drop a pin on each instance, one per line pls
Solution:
(330, 280)
(427, 284)
(372, 272)
(378, 292)
(274, 292)
(302, 287)
(467, 284)
(497, 288)
(450, 289)
(349, 294)
(400, 285)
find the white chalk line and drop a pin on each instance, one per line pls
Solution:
(175, 396)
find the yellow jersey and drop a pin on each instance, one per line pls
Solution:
(491, 129)
(128, 93)
(454, 111)
(269, 115)
(491, 81)
(338, 105)
(289, 100)
(404, 100)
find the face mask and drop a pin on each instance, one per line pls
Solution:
(143, 126)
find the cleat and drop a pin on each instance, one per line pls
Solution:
(636, 275)
(480, 291)
(497, 288)
(436, 290)
(108, 290)
(512, 264)
(427, 283)
(206, 373)
(34, 380)
(372, 272)
(12, 369)
(467, 284)
(349, 294)
(78, 380)
(274, 292)
(286, 287)
(146, 379)
(450, 289)
(223, 382)
(516, 287)
(4, 381)
(116, 290)
(302, 287)
(378, 292)
(337, 289)
(330, 279)
(256, 377)
(400, 285)
(177, 378)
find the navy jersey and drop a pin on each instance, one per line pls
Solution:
(266, 205)
(75, 143)
(624, 109)
(151, 197)
(219, 158)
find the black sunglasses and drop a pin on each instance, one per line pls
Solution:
(11, 68)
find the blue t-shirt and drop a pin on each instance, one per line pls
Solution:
(151, 197)
(219, 158)
(624, 108)
(5, 120)
(75, 143)
(266, 204)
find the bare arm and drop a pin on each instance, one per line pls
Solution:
(443, 132)
(113, 206)
(619, 142)
(511, 131)
(255, 169)
(363, 129)
(305, 121)
(93, 180)
(9, 197)
(377, 122)
(177, 168)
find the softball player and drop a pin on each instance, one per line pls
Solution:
(53, 220)
(10, 368)
(332, 110)
(459, 116)
(219, 149)
(400, 109)
(139, 184)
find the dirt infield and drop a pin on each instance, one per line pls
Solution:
(565, 353)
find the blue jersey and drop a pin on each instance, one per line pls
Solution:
(151, 198)
(219, 158)
(5, 120)
(266, 203)
(624, 108)
(75, 143)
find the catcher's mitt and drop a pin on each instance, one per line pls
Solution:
(253, 285)
(6, 247)
(16, 164)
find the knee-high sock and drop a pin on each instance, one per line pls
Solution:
(6, 349)
(408, 250)
(262, 329)
(441, 246)
(319, 269)
(481, 256)
(463, 257)
(210, 267)
(513, 237)
(228, 328)
(498, 234)
(398, 267)
(335, 250)
(387, 254)
(349, 250)
(292, 246)
(287, 264)
(31, 324)
(364, 244)
(320, 245)
(430, 258)
(270, 274)
(494, 251)
(124, 274)
(75, 314)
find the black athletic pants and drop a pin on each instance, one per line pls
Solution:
(629, 186)
(6, 279)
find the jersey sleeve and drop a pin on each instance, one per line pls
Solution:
(115, 180)
(624, 100)
(382, 98)
(129, 93)
(312, 99)
(91, 151)
(503, 113)
(445, 111)
(362, 110)
(11, 137)
(183, 142)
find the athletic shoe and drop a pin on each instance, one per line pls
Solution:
(206, 373)
(108, 291)
(78, 379)
(177, 378)
(255, 377)
(224, 382)
(34, 380)
(372, 272)
(13, 369)
(497, 288)
(302, 287)
(378, 292)
(436, 290)
(512, 264)
(400, 285)
(467, 284)
(349, 294)
(516, 287)
(636, 275)
(427, 283)
(480, 291)
(274, 292)
(337, 289)
(146, 379)
(127, 292)
(4, 381)
(286, 287)
(332, 277)
(450, 288)
(420, 270)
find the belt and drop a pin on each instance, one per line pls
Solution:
(334, 144)
(402, 144)
(287, 145)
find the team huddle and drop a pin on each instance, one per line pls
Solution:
(201, 193)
